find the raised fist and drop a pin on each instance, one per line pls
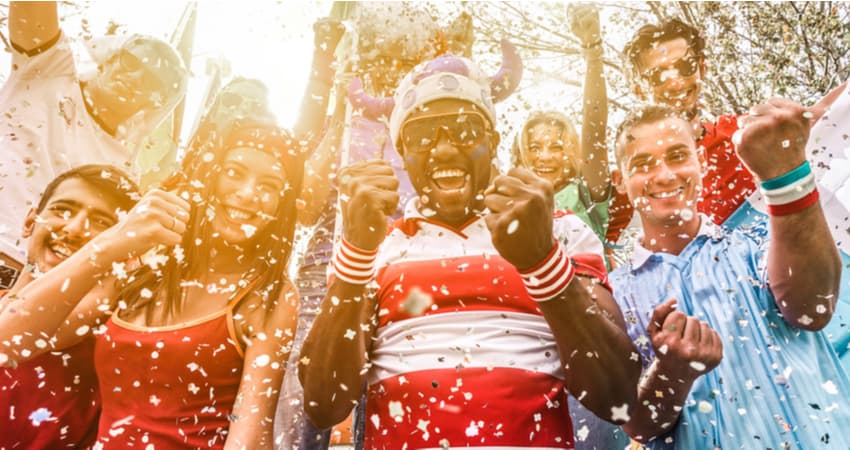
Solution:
(772, 138)
(159, 218)
(584, 23)
(368, 196)
(685, 346)
(521, 208)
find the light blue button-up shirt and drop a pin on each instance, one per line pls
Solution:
(777, 386)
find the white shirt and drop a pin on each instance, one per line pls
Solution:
(45, 130)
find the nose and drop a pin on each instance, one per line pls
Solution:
(663, 173)
(444, 147)
(77, 227)
(247, 191)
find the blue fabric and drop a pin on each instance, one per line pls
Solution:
(838, 330)
(774, 387)
(593, 433)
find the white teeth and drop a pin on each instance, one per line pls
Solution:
(60, 250)
(667, 194)
(544, 170)
(237, 214)
(447, 173)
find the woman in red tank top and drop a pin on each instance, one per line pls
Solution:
(188, 299)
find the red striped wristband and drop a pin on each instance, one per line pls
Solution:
(354, 265)
(548, 279)
(795, 206)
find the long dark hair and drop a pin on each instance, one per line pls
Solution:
(195, 181)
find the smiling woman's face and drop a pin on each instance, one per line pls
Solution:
(248, 191)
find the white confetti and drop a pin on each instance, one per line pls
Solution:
(396, 411)
(698, 366)
(830, 388)
(81, 331)
(705, 407)
(513, 226)
(806, 320)
(620, 414)
(249, 230)
(262, 360)
(417, 302)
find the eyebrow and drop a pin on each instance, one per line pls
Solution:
(80, 205)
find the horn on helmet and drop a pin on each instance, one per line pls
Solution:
(373, 108)
(507, 79)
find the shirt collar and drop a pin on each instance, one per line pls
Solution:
(641, 254)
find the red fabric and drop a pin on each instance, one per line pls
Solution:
(468, 407)
(51, 401)
(171, 389)
(726, 183)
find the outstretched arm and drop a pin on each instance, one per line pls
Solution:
(319, 169)
(32, 24)
(803, 265)
(335, 355)
(314, 103)
(594, 152)
(42, 310)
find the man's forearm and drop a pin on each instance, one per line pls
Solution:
(602, 367)
(804, 267)
(333, 361)
(660, 400)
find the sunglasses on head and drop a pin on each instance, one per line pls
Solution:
(464, 130)
(685, 67)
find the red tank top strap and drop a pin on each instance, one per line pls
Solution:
(240, 295)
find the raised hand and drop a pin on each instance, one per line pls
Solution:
(368, 196)
(327, 33)
(685, 346)
(584, 23)
(159, 218)
(772, 138)
(521, 208)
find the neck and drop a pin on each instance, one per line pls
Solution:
(670, 238)
(226, 258)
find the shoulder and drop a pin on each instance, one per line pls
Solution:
(576, 235)
(53, 59)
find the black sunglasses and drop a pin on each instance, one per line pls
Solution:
(685, 67)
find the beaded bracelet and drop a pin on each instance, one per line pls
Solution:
(354, 265)
(791, 192)
(548, 279)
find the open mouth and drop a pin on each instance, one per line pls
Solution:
(450, 179)
(60, 249)
(681, 94)
(667, 194)
(239, 215)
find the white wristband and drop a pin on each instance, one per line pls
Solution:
(549, 278)
(354, 265)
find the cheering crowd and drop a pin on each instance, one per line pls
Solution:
(440, 302)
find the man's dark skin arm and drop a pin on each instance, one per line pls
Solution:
(602, 367)
(335, 355)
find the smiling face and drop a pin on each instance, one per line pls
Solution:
(551, 152)
(661, 172)
(75, 214)
(674, 74)
(247, 193)
(448, 147)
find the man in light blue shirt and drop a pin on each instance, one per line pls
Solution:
(728, 323)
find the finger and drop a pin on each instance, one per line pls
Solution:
(691, 332)
(659, 314)
(384, 182)
(385, 201)
(524, 175)
(706, 334)
(498, 203)
(675, 323)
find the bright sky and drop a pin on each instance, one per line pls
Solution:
(271, 41)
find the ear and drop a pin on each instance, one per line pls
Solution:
(617, 180)
(29, 223)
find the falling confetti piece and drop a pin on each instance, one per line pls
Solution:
(705, 407)
(513, 226)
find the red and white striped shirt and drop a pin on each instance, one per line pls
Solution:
(478, 367)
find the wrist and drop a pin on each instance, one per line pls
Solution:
(790, 192)
(596, 43)
(354, 265)
(549, 278)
